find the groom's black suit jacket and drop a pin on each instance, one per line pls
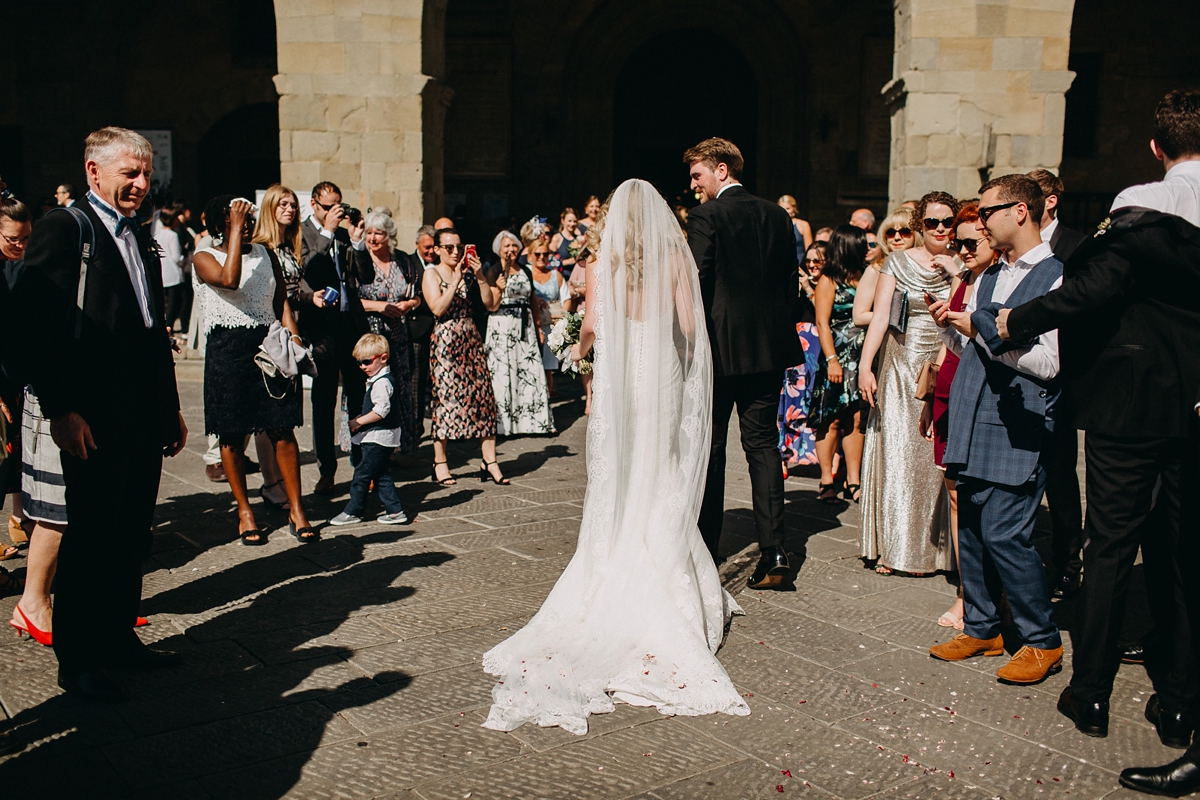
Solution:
(746, 253)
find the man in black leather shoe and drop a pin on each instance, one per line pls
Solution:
(98, 355)
(1180, 777)
(745, 251)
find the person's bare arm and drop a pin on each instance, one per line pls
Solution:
(436, 297)
(587, 329)
(864, 297)
(823, 302)
(228, 276)
(884, 288)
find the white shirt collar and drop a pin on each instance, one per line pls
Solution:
(1183, 168)
(107, 214)
(727, 186)
(1048, 231)
(1031, 259)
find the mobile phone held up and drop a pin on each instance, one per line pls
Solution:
(468, 251)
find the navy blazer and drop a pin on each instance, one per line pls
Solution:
(1000, 418)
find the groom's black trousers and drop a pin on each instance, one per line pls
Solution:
(757, 401)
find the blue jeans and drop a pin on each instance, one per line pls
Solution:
(371, 462)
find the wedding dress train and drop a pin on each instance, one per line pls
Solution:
(639, 613)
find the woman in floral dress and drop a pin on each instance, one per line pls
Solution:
(464, 406)
(797, 443)
(388, 301)
(512, 347)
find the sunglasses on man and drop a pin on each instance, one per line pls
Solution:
(986, 212)
(903, 233)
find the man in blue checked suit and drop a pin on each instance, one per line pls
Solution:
(1002, 409)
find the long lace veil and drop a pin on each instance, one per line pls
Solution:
(639, 612)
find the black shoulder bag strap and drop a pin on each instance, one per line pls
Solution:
(87, 245)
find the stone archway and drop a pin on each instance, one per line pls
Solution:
(654, 117)
(767, 39)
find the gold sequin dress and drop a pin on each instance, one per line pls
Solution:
(905, 509)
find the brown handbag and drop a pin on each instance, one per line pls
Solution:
(927, 381)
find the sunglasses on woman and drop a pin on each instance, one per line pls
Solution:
(970, 245)
(903, 233)
(934, 224)
(813, 262)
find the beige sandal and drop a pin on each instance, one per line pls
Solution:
(17, 533)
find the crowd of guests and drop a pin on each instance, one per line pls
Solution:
(935, 393)
(932, 391)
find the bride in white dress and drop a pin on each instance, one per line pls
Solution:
(639, 613)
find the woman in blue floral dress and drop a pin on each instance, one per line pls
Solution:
(797, 443)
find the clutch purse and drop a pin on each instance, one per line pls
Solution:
(898, 315)
(926, 381)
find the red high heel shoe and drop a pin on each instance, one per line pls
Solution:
(140, 622)
(41, 637)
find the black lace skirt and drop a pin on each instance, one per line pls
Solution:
(238, 398)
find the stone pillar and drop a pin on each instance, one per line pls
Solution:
(977, 91)
(350, 89)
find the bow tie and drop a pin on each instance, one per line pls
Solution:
(126, 222)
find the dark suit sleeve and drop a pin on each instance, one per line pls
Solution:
(702, 241)
(363, 266)
(168, 389)
(1099, 281)
(45, 299)
(313, 244)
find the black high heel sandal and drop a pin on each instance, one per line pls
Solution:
(853, 489)
(824, 489)
(448, 481)
(485, 474)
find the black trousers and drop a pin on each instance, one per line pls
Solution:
(420, 382)
(334, 359)
(757, 400)
(173, 297)
(110, 508)
(1123, 513)
(1062, 495)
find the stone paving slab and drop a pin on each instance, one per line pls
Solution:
(351, 668)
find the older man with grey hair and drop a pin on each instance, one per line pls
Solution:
(99, 359)
(420, 323)
(863, 218)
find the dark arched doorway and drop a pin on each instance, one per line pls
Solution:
(240, 152)
(676, 89)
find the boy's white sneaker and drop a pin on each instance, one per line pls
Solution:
(345, 519)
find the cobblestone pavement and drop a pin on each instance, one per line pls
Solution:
(350, 668)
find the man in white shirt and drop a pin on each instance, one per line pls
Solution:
(1002, 413)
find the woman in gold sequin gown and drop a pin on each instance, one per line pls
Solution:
(905, 511)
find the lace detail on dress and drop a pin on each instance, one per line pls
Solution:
(248, 306)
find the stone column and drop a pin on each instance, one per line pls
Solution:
(350, 89)
(977, 91)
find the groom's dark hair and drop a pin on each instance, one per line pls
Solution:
(714, 151)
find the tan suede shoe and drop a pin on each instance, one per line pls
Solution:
(1031, 665)
(962, 647)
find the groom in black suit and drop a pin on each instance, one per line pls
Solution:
(745, 250)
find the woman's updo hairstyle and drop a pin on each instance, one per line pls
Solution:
(216, 216)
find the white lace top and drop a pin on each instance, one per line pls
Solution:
(248, 306)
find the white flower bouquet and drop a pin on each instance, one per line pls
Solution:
(565, 335)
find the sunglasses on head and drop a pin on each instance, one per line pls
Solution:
(904, 233)
(970, 245)
(934, 224)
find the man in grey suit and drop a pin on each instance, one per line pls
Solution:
(1002, 410)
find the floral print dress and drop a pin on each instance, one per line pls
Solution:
(515, 361)
(464, 406)
(830, 400)
(797, 443)
(394, 287)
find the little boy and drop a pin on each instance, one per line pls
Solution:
(375, 434)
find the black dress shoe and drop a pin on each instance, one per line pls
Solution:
(1091, 719)
(1174, 727)
(142, 658)
(95, 687)
(1133, 653)
(771, 569)
(1067, 586)
(1176, 779)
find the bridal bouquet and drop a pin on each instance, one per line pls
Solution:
(563, 336)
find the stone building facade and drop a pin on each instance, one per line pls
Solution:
(496, 109)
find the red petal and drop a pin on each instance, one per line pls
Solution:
(779, 788)
(951, 773)
(787, 772)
